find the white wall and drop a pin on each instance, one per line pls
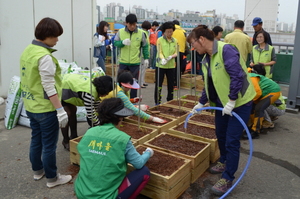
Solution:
(18, 19)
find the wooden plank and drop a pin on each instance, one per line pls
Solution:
(195, 159)
(157, 193)
(200, 169)
(214, 147)
(166, 183)
(74, 155)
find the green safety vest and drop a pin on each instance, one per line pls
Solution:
(74, 83)
(263, 56)
(221, 79)
(266, 85)
(34, 96)
(102, 162)
(131, 54)
(168, 48)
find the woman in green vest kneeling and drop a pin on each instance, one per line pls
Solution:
(104, 153)
(78, 90)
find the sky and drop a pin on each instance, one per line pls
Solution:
(287, 8)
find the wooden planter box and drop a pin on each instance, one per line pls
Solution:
(199, 161)
(74, 155)
(214, 147)
(109, 70)
(169, 186)
(205, 119)
(189, 81)
(186, 105)
(142, 139)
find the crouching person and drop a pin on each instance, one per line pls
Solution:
(104, 153)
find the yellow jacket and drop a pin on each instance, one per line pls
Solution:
(179, 34)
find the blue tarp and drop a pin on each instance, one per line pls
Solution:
(118, 26)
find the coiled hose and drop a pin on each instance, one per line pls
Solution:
(250, 144)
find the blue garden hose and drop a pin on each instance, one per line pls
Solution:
(249, 137)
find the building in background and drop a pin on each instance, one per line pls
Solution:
(265, 9)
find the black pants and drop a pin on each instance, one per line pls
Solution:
(159, 78)
(182, 68)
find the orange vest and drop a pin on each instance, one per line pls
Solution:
(153, 37)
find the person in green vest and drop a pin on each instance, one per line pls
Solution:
(41, 91)
(133, 43)
(263, 53)
(104, 153)
(167, 48)
(79, 90)
(228, 86)
(146, 26)
(267, 93)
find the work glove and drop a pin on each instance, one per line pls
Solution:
(136, 99)
(150, 151)
(199, 105)
(62, 117)
(146, 63)
(126, 42)
(169, 58)
(158, 120)
(163, 62)
(228, 108)
(143, 107)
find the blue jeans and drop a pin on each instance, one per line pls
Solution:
(229, 131)
(101, 58)
(44, 137)
(153, 52)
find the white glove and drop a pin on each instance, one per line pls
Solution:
(169, 58)
(158, 120)
(150, 151)
(143, 107)
(228, 108)
(126, 42)
(146, 63)
(163, 62)
(199, 105)
(62, 117)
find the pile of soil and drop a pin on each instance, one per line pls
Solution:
(134, 131)
(208, 119)
(162, 163)
(177, 144)
(133, 117)
(169, 110)
(182, 103)
(194, 129)
(191, 97)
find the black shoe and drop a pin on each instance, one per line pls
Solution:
(145, 84)
(66, 145)
(254, 135)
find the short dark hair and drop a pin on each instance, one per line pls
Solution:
(217, 29)
(125, 76)
(155, 23)
(176, 22)
(167, 25)
(105, 111)
(266, 36)
(48, 27)
(131, 18)
(146, 25)
(103, 84)
(239, 24)
(259, 69)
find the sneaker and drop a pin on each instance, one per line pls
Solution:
(218, 168)
(38, 177)
(221, 187)
(273, 118)
(61, 179)
(267, 125)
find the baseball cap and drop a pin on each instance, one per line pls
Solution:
(126, 79)
(256, 21)
(122, 111)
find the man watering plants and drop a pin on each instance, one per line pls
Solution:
(227, 85)
(104, 153)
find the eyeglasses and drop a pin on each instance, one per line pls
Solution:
(192, 43)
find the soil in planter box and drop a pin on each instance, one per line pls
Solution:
(162, 163)
(169, 111)
(133, 117)
(204, 119)
(77, 139)
(182, 103)
(177, 144)
(191, 97)
(134, 131)
(194, 129)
